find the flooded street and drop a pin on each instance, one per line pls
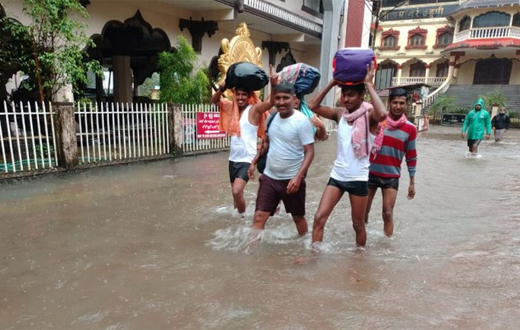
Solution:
(156, 246)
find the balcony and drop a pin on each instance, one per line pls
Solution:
(432, 81)
(488, 33)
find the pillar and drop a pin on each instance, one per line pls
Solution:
(274, 47)
(427, 72)
(399, 73)
(122, 79)
(66, 142)
(197, 30)
(176, 133)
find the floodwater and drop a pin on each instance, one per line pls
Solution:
(156, 246)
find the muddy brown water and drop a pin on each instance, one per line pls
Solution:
(156, 246)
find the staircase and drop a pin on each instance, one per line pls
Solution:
(466, 95)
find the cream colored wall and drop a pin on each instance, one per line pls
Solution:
(515, 73)
(295, 6)
(466, 73)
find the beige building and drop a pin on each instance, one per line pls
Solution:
(129, 34)
(462, 48)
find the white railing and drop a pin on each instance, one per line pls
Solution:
(433, 81)
(488, 33)
(284, 14)
(190, 141)
(117, 132)
(439, 91)
(28, 138)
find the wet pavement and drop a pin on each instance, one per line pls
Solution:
(156, 246)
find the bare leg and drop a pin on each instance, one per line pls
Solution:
(389, 196)
(329, 199)
(371, 194)
(358, 205)
(237, 189)
(301, 224)
(259, 221)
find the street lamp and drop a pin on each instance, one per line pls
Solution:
(378, 17)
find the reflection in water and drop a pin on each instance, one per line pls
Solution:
(156, 246)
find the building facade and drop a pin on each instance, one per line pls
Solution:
(130, 34)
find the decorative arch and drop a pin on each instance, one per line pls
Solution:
(417, 38)
(492, 19)
(444, 36)
(135, 38)
(287, 60)
(389, 40)
(465, 23)
(516, 19)
(417, 68)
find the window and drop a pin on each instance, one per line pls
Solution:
(516, 19)
(418, 69)
(444, 37)
(465, 24)
(491, 19)
(417, 40)
(442, 69)
(389, 42)
(313, 7)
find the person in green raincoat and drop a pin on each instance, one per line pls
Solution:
(476, 122)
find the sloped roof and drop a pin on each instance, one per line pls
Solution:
(472, 4)
(492, 43)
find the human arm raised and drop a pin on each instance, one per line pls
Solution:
(258, 109)
(215, 98)
(379, 114)
(323, 110)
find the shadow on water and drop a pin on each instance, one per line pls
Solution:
(157, 246)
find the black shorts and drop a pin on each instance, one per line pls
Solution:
(271, 192)
(357, 188)
(375, 181)
(238, 171)
(473, 142)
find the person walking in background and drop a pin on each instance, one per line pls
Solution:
(357, 125)
(395, 141)
(476, 122)
(500, 124)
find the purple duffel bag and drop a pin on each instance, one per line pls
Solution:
(350, 64)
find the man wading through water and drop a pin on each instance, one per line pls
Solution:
(243, 118)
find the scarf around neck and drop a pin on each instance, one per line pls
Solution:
(389, 124)
(359, 119)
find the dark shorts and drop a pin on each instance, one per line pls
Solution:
(473, 142)
(238, 171)
(271, 192)
(375, 181)
(357, 188)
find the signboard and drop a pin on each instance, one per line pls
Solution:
(417, 12)
(207, 126)
(453, 118)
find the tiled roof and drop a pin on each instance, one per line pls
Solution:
(472, 4)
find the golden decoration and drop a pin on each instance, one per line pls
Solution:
(240, 49)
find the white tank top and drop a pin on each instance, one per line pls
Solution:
(347, 167)
(243, 147)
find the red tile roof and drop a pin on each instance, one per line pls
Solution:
(492, 43)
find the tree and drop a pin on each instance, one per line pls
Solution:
(179, 84)
(443, 104)
(58, 43)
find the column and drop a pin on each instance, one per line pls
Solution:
(122, 79)
(427, 73)
(274, 47)
(197, 30)
(399, 73)
(176, 128)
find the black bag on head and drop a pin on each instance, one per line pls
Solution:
(262, 161)
(246, 75)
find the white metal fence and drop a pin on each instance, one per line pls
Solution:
(117, 131)
(190, 141)
(28, 137)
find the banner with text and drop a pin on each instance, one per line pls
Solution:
(207, 126)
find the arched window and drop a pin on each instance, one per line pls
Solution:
(442, 69)
(417, 38)
(389, 42)
(516, 19)
(418, 69)
(465, 23)
(490, 19)
(445, 39)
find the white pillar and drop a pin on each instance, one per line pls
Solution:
(122, 79)
(399, 73)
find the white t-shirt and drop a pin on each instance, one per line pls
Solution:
(347, 167)
(287, 136)
(243, 147)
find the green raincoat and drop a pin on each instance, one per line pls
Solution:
(476, 122)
